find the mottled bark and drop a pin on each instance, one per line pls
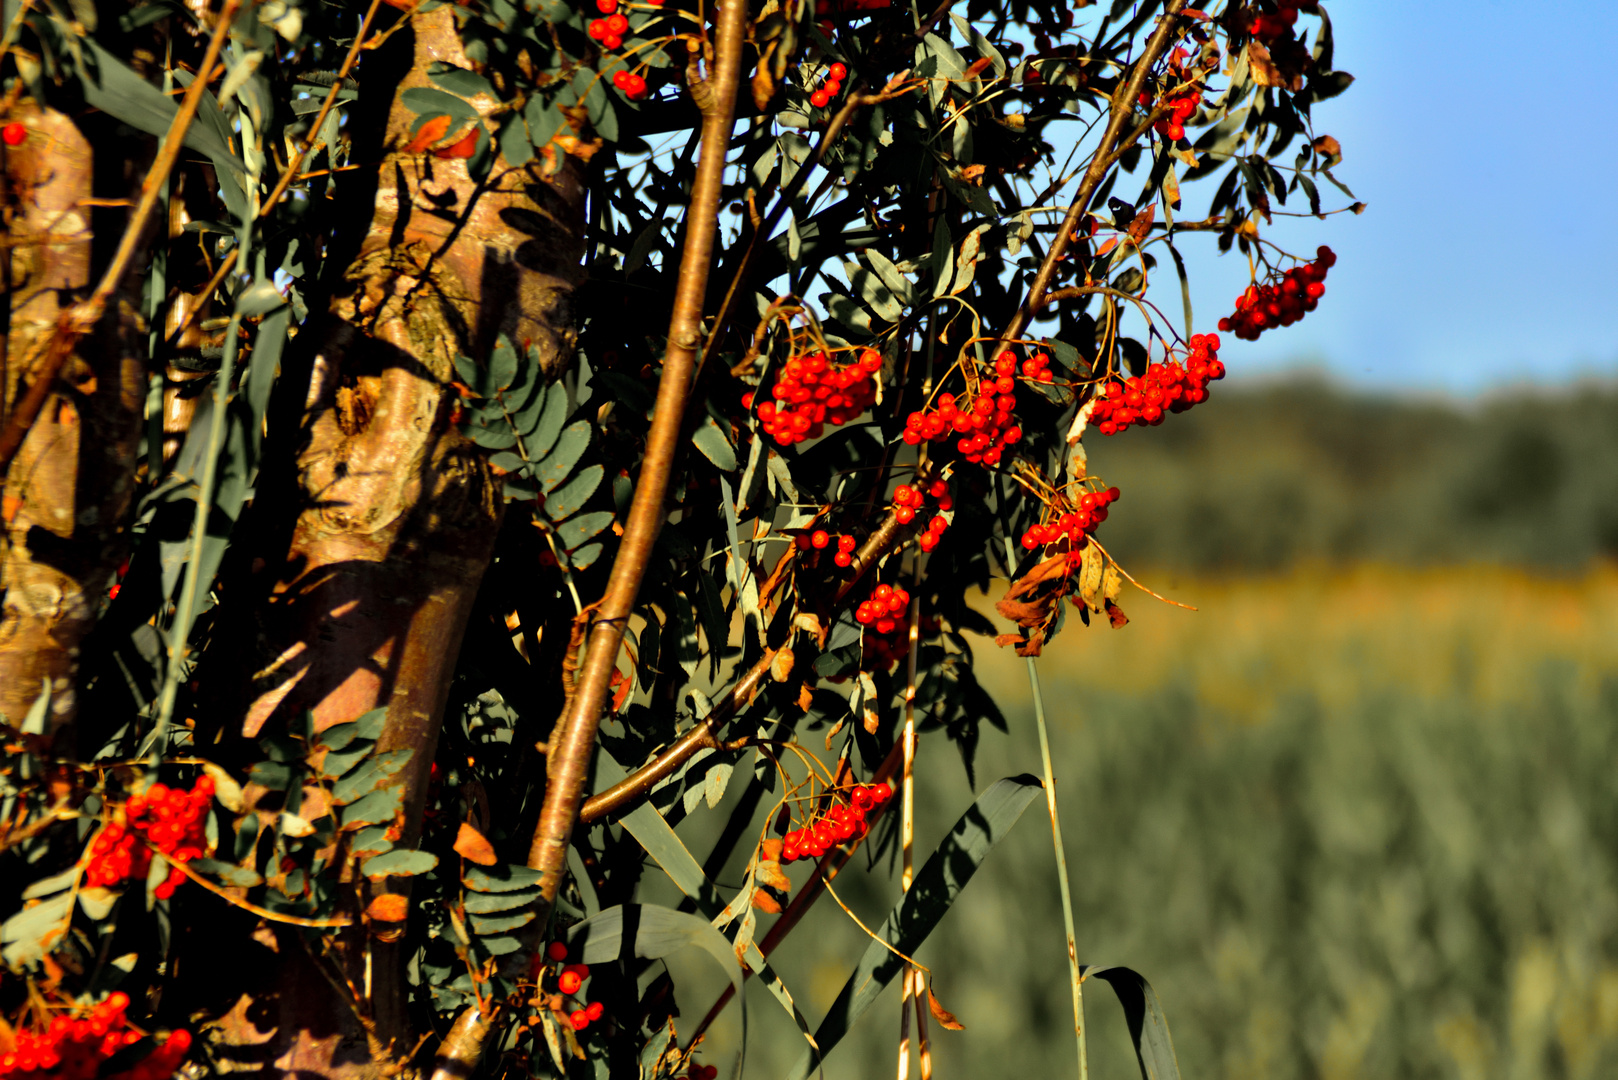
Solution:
(68, 488)
(365, 602)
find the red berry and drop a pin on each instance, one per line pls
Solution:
(557, 951)
(594, 1010)
(819, 99)
(14, 134)
(580, 1019)
(837, 71)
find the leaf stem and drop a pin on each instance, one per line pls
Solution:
(1075, 976)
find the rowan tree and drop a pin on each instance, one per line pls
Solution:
(448, 445)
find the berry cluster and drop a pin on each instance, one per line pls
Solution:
(907, 500)
(984, 423)
(13, 134)
(569, 981)
(74, 1049)
(1165, 388)
(168, 819)
(1283, 301)
(610, 31)
(811, 392)
(826, 91)
(701, 1072)
(1075, 525)
(882, 610)
(844, 821)
(820, 538)
(1182, 104)
(1268, 27)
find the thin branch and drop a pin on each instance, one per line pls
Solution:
(82, 317)
(629, 791)
(572, 745)
(1122, 107)
(291, 171)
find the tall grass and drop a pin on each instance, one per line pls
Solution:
(1358, 824)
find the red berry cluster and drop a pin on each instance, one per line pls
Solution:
(1165, 388)
(168, 819)
(820, 538)
(907, 500)
(74, 1049)
(844, 821)
(13, 134)
(984, 423)
(1182, 104)
(1268, 27)
(882, 610)
(811, 392)
(829, 89)
(701, 1072)
(609, 31)
(1283, 301)
(633, 86)
(1075, 526)
(569, 981)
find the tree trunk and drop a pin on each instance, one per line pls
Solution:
(364, 603)
(68, 487)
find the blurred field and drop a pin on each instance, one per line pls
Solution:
(1350, 822)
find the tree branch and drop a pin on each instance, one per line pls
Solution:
(1122, 107)
(572, 744)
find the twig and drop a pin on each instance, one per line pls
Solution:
(290, 172)
(82, 317)
(1122, 107)
(261, 912)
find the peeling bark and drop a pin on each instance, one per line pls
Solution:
(67, 490)
(365, 602)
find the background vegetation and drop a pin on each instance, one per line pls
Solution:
(1357, 814)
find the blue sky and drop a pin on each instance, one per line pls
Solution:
(1481, 136)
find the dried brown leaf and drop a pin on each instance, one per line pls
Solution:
(944, 1017)
(388, 907)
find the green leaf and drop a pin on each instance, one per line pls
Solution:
(501, 438)
(368, 778)
(874, 293)
(399, 863)
(500, 946)
(711, 440)
(896, 282)
(541, 420)
(570, 498)
(336, 765)
(502, 364)
(459, 81)
(935, 888)
(427, 102)
(1148, 1027)
(113, 87)
(585, 557)
(372, 840)
(559, 463)
(500, 879)
(28, 935)
(515, 145)
(377, 808)
(544, 120)
(52, 884)
(483, 927)
(272, 775)
(575, 531)
(488, 903)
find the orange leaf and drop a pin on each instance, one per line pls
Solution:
(9, 505)
(463, 149)
(944, 1017)
(806, 697)
(770, 849)
(765, 902)
(770, 874)
(430, 132)
(388, 907)
(471, 844)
